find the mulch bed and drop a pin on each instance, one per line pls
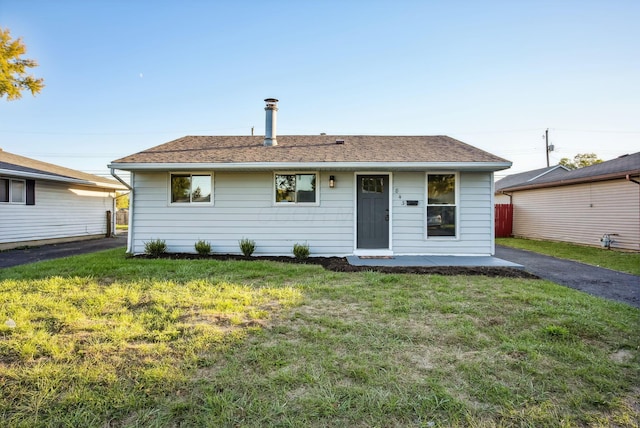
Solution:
(340, 264)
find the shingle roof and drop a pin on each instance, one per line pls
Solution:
(609, 170)
(297, 149)
(22, 166)
(530, 176)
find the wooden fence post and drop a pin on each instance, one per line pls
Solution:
(109, 231)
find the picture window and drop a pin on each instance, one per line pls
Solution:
(191, 189)
(296, 188)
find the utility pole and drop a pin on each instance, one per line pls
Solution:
(546, 140)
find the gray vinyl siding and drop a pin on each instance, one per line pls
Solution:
(243, 207)
(60, 211)
(474, 211)
(580, 213)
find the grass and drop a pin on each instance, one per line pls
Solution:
(622, 261)
(104, 340)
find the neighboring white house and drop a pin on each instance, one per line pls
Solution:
(341, 195)
(582, 206)
(42, 203)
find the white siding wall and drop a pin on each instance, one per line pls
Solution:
(475, 217)
(61, 211)
(243, 207)
(501, 198)
(580, 213)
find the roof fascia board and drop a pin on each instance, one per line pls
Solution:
(47, 177)
(460, 166)
(23, 174)
(558, 183)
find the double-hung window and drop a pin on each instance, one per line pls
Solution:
(13, 191)
(441, 205)
(191, 188)
(299, 188)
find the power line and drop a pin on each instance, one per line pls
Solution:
(94, 133)
(600, 131)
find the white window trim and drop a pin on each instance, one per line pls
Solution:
(427, 205)
(295, 204)
(10, 194)
(190, 204)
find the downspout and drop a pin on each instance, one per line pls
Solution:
(130, 229)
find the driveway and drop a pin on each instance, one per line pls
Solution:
(55, 251)
(606, 283)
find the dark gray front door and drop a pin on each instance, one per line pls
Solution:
(373, 211)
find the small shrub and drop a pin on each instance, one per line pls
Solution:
(301, 251)
(203, 247)
(155, 248)
(247, 246)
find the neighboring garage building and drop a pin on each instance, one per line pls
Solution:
(582, 206)
(42, 203)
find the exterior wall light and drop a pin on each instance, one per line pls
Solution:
(332, 181)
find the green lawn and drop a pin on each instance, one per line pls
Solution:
(622, 261)
(104, 340)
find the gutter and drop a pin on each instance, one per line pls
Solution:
(510, 195)
(124, 183)
(48, 177)
(335, 166)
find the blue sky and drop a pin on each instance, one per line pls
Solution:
(123, 76)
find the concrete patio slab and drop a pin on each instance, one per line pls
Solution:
(474, 261)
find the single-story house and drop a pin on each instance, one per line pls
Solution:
(42, 203)
(594, 205)
(341, 195)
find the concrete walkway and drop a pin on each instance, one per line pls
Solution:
(428, 261)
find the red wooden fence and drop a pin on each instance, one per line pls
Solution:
(504, 220)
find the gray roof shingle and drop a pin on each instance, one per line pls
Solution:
(608, 170)
(310, 149)
(530, 176)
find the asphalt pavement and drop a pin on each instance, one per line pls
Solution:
(610, 284)
(26, 255)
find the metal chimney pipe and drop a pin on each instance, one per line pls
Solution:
(271, 120)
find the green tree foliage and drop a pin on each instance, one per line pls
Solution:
(122, 200)
(180, 188)
(13, 68)
(442, 188)
(580, 160)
